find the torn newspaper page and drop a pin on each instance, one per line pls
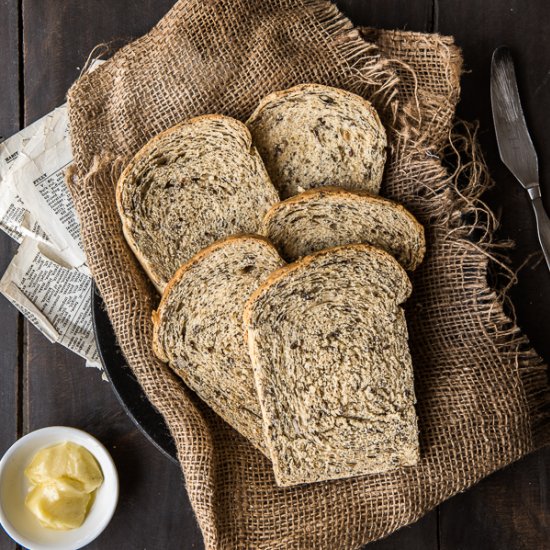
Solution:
(54, 298)
(38, 177)
(15, 220)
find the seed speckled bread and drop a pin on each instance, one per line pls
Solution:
(328, 343)
(330, 216)
(191, 185)
(312, 135)
(198, 327)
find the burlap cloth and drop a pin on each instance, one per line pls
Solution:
(482, 391)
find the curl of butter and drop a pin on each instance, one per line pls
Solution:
(64, 479)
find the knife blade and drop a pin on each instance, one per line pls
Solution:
(514, 142)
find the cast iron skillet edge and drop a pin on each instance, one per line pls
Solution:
(124, 383)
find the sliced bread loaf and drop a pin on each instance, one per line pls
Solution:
(313, 135)
(328, 343)
(330, 216)
(188, 187)
(198, 327)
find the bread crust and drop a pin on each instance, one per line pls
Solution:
(204, 295)
(307, 260)
(293, 451)
(295, 155)
(123, 180)
(356, 194)
(311, 87)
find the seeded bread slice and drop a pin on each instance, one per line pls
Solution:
(330, 216)
(328, 343)
(196, 183)
(198, 327)
(313, 135)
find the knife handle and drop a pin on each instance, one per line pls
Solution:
(543, 222)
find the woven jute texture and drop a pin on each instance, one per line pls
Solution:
(482, 392)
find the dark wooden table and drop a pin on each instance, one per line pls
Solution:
(42, 45)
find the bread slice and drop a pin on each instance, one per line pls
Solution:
(330, 216)
(313, 135)
(328, 343)
(189, 186)
(198, 327)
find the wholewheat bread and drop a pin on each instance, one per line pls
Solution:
(198, 327)
(328, 343)
(191, 185)
(330, 216)
(312, 135)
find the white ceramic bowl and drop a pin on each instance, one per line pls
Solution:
(17, 520)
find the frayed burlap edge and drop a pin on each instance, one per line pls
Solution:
(470, 179)
(474, 222)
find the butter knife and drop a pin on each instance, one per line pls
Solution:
(514, 142)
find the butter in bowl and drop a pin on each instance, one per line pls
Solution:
(58, 489)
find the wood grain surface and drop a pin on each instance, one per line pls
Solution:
(10, 320)
(43, 44)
